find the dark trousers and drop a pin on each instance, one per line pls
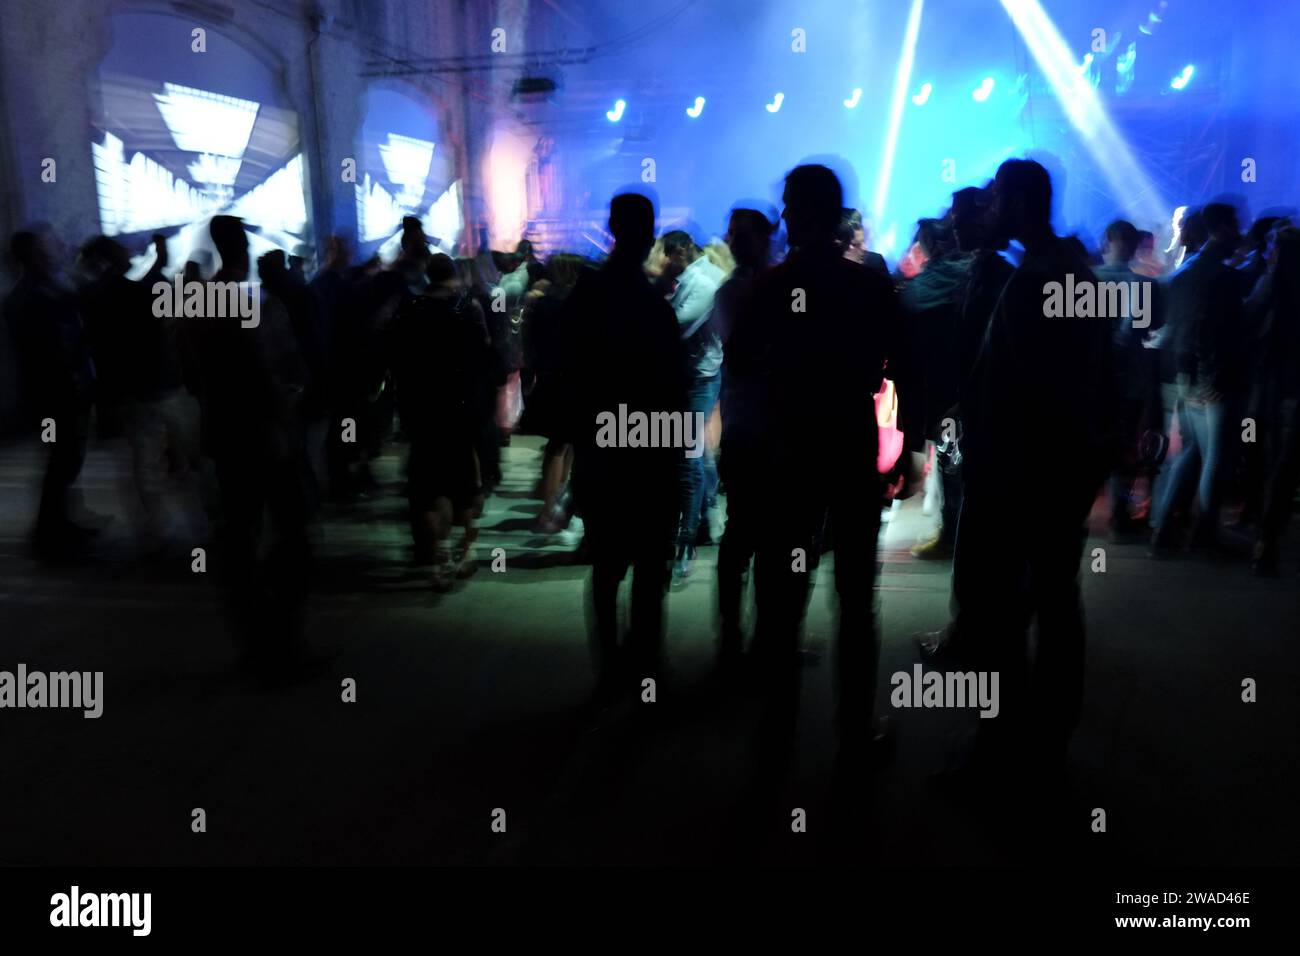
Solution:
(1132, 411)
(780, 599)
(1013, 581)
(855, 522)
(967, 554)
(340, 456)
(1283, 474)
(741, 539)
(264, 598)
(781, 596)
(631, 532)
(1256, 457)
(67, 455)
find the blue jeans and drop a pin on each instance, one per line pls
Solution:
(698, 477)
(1202, 427)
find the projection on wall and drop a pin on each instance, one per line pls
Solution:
(182, 155)
(181, 136)
(402, 171)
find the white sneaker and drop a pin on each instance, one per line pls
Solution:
(930, 502)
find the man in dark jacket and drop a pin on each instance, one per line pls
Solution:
(1277, 297)
(251, 382)
(1037, 380)
(623, 356)
(987, 275)
(58, 382)
(931, 301)
(1135, 384)
(810, 353)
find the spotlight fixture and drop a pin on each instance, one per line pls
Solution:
(775, 105)
(616, 113)
(694, 111)
(922, 96)
(854, 99)
(982, 92)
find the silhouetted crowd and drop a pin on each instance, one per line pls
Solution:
(805, 359)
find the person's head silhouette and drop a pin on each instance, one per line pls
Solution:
(1193, 233)
(969, 218)
(814, 200)
(1121, 242)
(1222, 223)
(36, 251)
(107, 256)
(1022, 200)
(271, 266)
(231, 240)
(632, 223)
(441, 271)
(749, 236)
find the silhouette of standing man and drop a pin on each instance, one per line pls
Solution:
(623, 349)
(252, 381)
(810, 349)
(58, 382)
(1036, 377)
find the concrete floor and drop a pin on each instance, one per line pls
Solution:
(472, 701)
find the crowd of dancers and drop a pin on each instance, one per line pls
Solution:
(783, 336)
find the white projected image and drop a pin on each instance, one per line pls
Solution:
(407, 161)
(208, 168)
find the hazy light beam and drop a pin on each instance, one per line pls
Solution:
(902, 83)
(1133, 191)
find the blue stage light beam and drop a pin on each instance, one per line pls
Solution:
(1133, 190)
(902, 83)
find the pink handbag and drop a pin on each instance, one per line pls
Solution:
(891, 439)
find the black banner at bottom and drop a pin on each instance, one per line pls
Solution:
(93, 905)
